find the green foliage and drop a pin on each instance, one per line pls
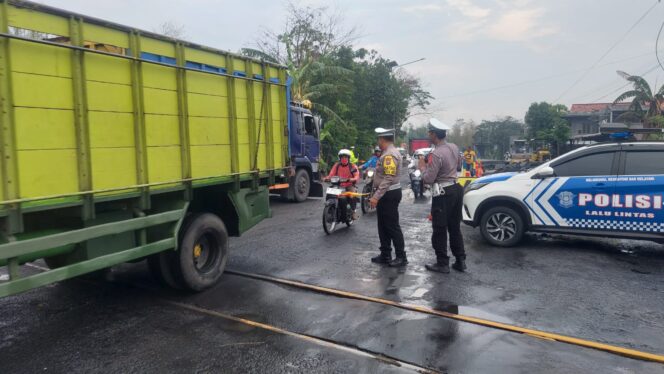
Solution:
(541, 119)
(462, 133)
(413, 132)
(642, 95)
(493, 138)
(544, 123)
(353, 90)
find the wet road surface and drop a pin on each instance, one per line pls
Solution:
(609, 291)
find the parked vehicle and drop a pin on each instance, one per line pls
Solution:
(608, 190)
(367, 191)
(337, 205)
(416, 183)
(120, 145)
(415, 144)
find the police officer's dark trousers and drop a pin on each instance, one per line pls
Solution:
(389, 230)
(446, 218)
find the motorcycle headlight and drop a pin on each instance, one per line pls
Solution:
(475, 186)
(370, 173)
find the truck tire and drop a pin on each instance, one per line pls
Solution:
(301, 185)
(502, 226)
(202, 253)
(161, 269)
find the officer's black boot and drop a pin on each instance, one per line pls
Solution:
(382, 259)
(459, 265)
(438, 267)
(399, 261)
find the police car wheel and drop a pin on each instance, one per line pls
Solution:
(502, 226)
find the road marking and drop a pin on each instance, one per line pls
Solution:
(631, 353)
(308, 338)
(419, 293)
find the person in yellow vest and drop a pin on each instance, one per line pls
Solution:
(353, 158)
(469, 157)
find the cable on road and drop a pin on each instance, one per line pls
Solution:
(309, 338)
(631, 353)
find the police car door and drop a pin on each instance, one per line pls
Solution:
(579, 195)
(640, 187)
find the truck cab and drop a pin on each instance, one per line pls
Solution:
(304, 153)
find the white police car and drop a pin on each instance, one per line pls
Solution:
(611, 190)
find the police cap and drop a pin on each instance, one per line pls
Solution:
(436, 125)
(384, 133)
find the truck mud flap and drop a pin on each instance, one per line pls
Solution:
(252, 206)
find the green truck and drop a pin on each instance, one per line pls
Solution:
(119, 145)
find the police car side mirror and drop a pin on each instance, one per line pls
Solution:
(546, 172)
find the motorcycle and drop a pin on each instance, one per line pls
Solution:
(337, 205)
(367, 191)
(416, 183)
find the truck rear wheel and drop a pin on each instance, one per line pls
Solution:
(301, 186)
(160, 267)
(202, 253)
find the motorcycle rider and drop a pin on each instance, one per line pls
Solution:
(371, 163)
(345, 169)
(412, 168)
(353, 159)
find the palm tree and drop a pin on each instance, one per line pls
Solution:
(641, 94)
(309, 80)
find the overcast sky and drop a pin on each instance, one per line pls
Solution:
(484, 58)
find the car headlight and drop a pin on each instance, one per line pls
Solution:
(476, 186)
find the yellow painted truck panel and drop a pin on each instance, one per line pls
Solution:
(85, 100)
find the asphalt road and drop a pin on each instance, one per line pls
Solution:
(609, 291)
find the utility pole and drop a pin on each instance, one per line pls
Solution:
(394, 120)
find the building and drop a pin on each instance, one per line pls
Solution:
(587, 120)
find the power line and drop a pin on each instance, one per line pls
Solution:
(536, 80)
(585, 74)
(604, 87)
(626, 84)
(657, 44)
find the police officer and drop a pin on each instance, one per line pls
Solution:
(386, 199)
(441, 172)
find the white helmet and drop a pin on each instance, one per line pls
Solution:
(436, 125)
(344, 152)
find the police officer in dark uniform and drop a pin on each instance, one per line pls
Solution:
(386, 198)
(441, 173)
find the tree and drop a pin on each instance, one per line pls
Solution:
(171, 29)
(642, 95)
(353, 90)
(413, 132)
(308, 34)
(544, 123)
(462, 133)
(308, 37)
(493, 138)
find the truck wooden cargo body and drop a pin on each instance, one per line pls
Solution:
(119, 144)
